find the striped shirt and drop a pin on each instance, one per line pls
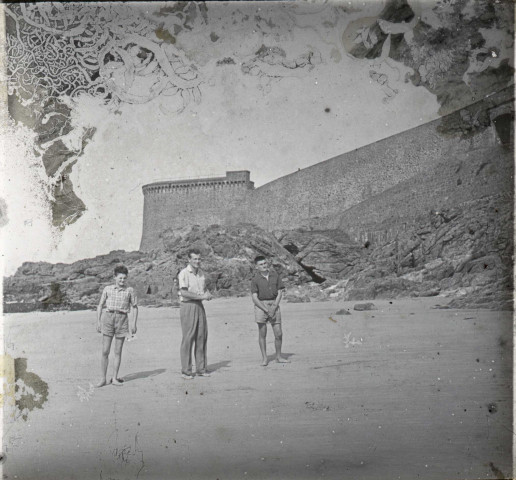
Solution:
(118, 299)
(193, 282)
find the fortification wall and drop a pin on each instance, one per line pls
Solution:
(482, 169)
(317, 195)
(202, 201)
(369, 192)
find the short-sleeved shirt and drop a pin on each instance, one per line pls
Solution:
(119, 298)
(266, 288)
(193, 282)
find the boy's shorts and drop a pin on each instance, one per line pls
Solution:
(261, 317)
(114, 324)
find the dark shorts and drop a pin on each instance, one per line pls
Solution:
(114, 324)
(261, 317)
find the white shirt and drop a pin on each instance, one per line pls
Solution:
(193, 282)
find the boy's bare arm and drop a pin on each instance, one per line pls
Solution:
(278, 298)
(99, 310)
(259, 304)
(135, 318)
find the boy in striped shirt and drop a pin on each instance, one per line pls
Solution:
(114, 322)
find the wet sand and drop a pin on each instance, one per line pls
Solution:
(402, 392)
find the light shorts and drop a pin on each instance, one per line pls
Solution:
(261, 317)
(114, 324)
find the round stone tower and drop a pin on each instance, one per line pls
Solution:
(195, 201)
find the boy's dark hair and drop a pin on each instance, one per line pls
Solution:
(121, 269)
(259, 258)
(193, 251)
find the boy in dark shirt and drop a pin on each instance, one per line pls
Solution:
(267, 291)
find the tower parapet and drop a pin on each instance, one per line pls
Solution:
(208, 200)
(241, 178)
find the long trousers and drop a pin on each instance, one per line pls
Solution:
(195, 331)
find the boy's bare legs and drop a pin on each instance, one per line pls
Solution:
(104, 361)
(119, 344)
(262, 341)
(278, 337)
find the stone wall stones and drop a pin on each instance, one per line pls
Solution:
(178, 204)
(368, 192)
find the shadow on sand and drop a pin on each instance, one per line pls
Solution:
(272, 358)
(217, 366)
(148, 373)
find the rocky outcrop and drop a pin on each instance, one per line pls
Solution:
(362, 307)
(462, 254)
(324, 255)
(227, 252)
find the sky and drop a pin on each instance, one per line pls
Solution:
(252, 114)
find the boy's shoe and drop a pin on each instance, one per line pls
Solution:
(186, 377)
(203, 374)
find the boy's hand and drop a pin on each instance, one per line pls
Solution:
(272, 310)
(98, 327)
(208, 296)
(133, 330)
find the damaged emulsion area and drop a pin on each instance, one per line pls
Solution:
(442, 58)
(51, 120)
(30, 391)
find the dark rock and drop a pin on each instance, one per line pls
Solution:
(223, 283)
(343, 311)
(323, 255)
(88, 287)
(55, 296)
(430, 293)
(442, 272)
(473, 270)
(228, 255)
(441, 307)
(293, 298)
(314, 291)
(358, 293)
(446, 261)
(361, 307)
(78, 306)
(97, 270)
(22, 307)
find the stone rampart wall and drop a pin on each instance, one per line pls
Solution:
(483, 168)
(365, 192)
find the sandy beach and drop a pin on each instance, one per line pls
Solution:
(402, 392)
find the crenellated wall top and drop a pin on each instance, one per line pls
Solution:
(240, 178)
